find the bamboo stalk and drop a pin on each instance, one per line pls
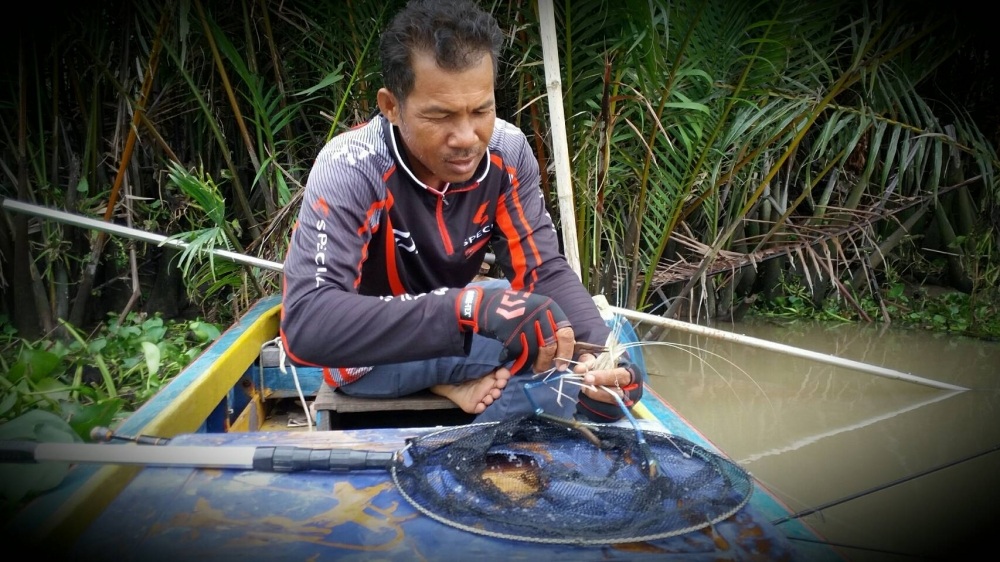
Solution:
(241, 198)
(78, 311)
(560, 152)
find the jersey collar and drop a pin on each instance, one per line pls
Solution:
(478, 177)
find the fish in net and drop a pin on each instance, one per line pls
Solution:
(535, 479)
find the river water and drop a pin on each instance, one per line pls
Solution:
(921, 464)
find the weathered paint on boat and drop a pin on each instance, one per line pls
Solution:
(126, 512)
(206, 514)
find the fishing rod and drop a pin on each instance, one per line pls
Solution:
(881, 487)
(128, 232)
(782, 348)
(134, 233)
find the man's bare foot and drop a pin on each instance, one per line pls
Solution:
(473, 396)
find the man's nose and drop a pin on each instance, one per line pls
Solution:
(463, 134)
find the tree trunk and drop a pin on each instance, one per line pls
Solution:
(23, 306)
(956, 274)
(167, 295)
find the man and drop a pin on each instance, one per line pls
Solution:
(396, 219)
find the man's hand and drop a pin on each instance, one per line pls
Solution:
(532, 327)
(596, 403)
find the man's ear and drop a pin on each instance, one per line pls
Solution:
(388, 105)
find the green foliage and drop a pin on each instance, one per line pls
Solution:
(696, 130)
(948, 311)
(951, 311)
(699, 128)
(19, 482)
(204, 273)
(93, 381)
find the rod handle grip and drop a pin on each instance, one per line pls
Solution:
(22, 452)
(298, 459)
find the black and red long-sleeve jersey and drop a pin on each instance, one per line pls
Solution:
(377, 259)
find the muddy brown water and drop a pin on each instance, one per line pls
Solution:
(921, 464)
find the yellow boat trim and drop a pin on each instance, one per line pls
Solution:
(186, 413)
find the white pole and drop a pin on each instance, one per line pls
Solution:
(780, 348)
(560, 152)
(192, 456)
(128, 232)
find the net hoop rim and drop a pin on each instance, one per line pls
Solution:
(580, 541)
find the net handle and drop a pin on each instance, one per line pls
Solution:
(263, 458)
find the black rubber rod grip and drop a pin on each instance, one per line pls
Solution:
(298, 459)
(18, 451)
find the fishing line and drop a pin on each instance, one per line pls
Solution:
(283, 365)
(864, 548)
(882, 486)
(105, 434)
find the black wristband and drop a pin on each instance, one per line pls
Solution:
(467, 308)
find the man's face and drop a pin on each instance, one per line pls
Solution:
(446, 121)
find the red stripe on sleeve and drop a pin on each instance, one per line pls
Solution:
(529, 241)
(517, 259)
(525, 247)
(391, 271)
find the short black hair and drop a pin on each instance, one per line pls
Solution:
(457, 32)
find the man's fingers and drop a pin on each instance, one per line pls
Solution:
(546, 355)
(565, 341)
(555, 353)
(584, 364)
(603, 388)
(603, 394)
(618, 377)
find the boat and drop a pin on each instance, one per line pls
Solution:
(224, 398)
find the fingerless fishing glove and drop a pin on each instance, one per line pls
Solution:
(523, 322)
(589, 409)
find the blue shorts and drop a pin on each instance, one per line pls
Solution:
(522, 395)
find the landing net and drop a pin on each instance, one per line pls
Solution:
(536, 480)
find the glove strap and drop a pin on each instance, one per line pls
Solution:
(467, 309)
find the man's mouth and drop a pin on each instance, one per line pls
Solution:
(463, 165)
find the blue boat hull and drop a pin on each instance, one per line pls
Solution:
(169, 513)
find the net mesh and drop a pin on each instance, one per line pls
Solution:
(533, 479)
